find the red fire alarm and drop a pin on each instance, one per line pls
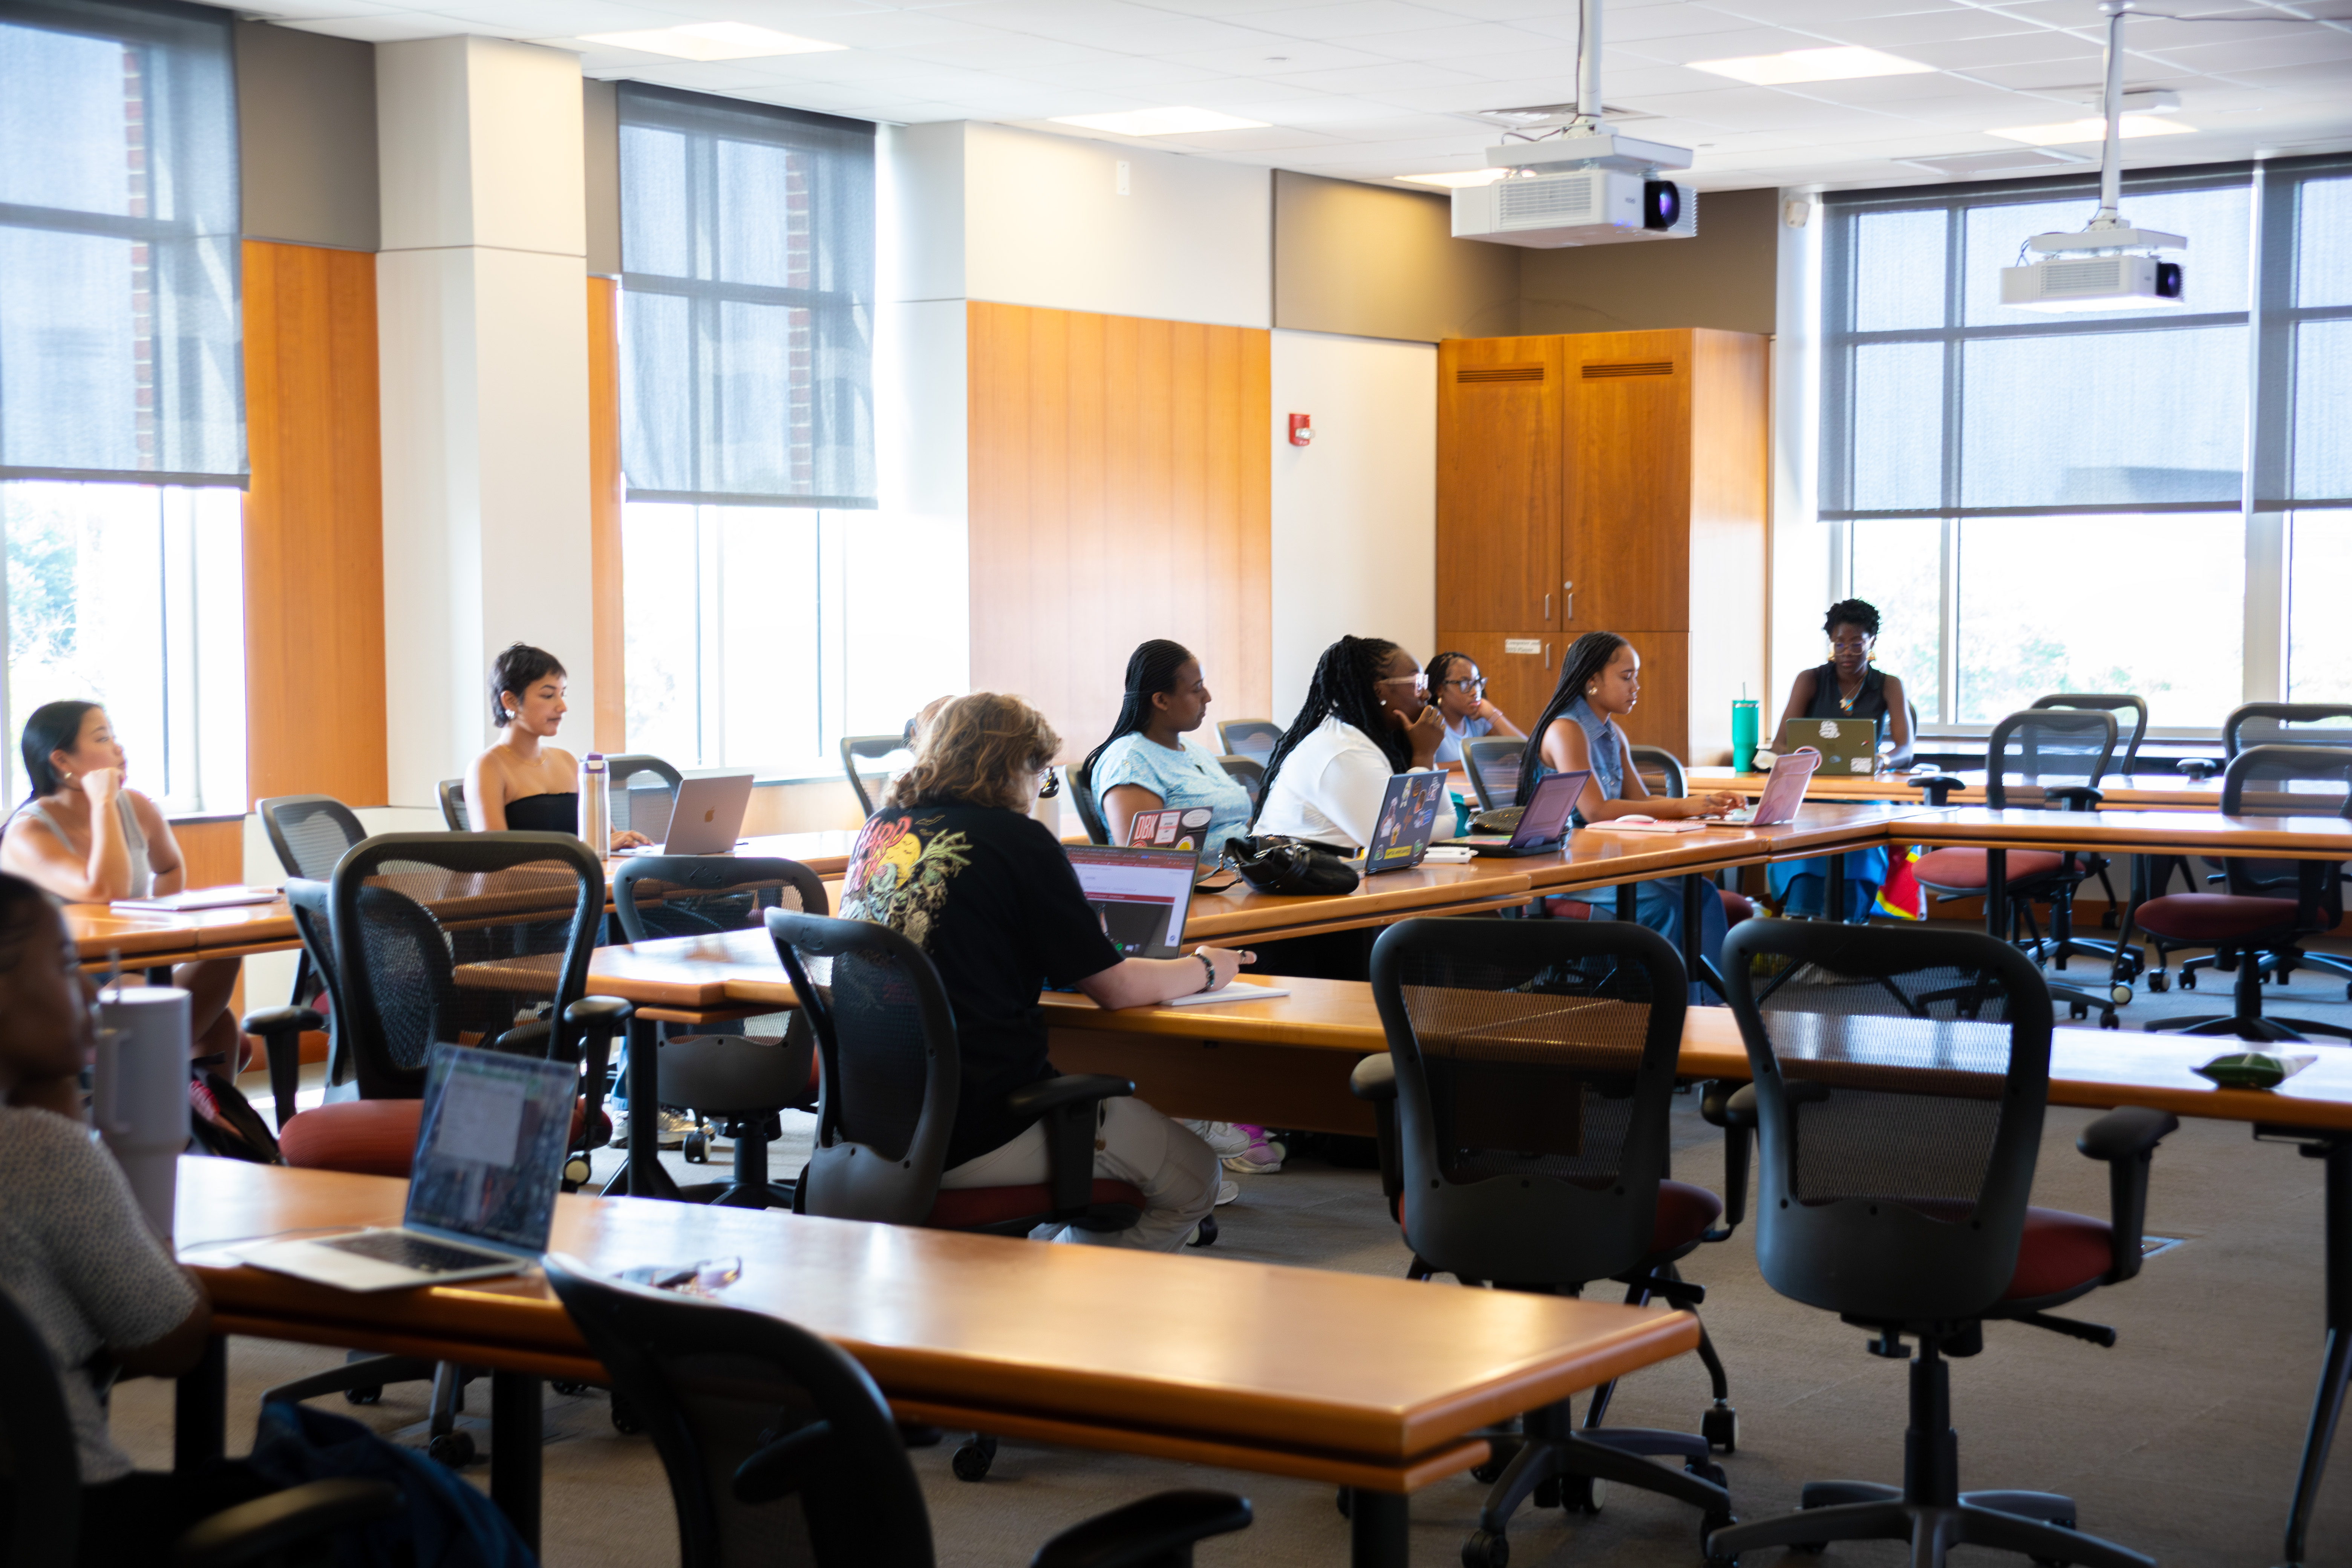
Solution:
(1302, 429)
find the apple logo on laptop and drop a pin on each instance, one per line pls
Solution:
(710, 814)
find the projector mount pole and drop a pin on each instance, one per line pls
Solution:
(1588, 72)
(2111, 170)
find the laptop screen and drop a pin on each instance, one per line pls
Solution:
(1141, 896)
(1408, 819)
(1546, 816)
(489, 1149)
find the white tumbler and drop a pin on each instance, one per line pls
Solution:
(139, 1099)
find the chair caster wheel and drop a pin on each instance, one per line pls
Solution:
(1708, 1470)
(1546, 1495)
(1205, 1233)
(454, 1449)
(1708, 1526)
(971, 1461)
(2160, 981)
(2189, 980)
(698, 1148)
(1485, 1548)
(367, 1395)
(2108, 1020)
(569, 1389)
(1487, 1474)
(1720, 1427)
(625, 1419)
(1583, 1494)
(1346, 1502)
(2078, 1011)
(920, 1435)
(577, 1170)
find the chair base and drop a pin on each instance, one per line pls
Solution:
(1932, 1529)
(1558, 1463)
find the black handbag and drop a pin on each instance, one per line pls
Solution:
(1290, 866)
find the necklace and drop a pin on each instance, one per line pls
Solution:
(1845, 703)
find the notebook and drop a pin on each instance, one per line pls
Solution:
(1140, 895)
(199, 898)
(481, 1186)
(1846, 745)
(1407, 822)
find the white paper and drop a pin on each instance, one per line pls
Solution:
(1237, 991)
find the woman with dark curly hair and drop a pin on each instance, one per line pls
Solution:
(1850, 686)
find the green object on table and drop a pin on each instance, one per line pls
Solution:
(2252, 1069)
(1744, 720)
(1461, 814)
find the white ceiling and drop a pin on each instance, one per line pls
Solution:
(1368, 89)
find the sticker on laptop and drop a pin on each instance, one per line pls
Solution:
(1177, 828)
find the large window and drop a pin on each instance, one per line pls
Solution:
(2131, 501)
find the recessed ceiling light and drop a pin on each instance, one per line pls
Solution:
(2072, 130)
(1159, 122)
(1841, 64)
(1458, 179)
(712, 41)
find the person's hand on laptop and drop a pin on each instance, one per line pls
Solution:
(623, 839)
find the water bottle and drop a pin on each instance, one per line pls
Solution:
(138, 1091)
(595, 805)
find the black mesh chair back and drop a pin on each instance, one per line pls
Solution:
(642, 809)
(1081, 793)
(1535, 1069)
(43, 1522)
(1900, 1079)
(1250, 773)
(2286, 725)
(1253, 737)
(310, 902)
(1492, 763)
(2118, 702)
(855, 746)
(452, 805)
(2290, 780)
(461, 938)
(716, 1385)
(2046, 749)
(656, 896)
(309, 832)
(886, 1040)
(1661, 771)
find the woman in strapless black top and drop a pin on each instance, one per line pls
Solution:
(522, 782)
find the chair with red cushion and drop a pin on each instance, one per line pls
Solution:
(1900, 1078)
(2269, 905)
(1532, 1064)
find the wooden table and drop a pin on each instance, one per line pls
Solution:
(2121, 792)
(1362, 1381)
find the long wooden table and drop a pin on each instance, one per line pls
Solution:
(2156, 789)
(1377, 1384)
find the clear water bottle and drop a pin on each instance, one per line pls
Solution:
(139, 1099)
(595, 805)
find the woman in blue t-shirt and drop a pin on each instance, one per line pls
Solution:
(1458, 688)
(1149, 763)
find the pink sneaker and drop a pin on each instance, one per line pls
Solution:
(1262, 1156)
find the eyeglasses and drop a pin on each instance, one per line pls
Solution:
(1418, 680)
(1052, 785)
(1860, 645)
(1475, 688)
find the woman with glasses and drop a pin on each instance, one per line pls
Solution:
(1458, 689)
(1848, 687)
(1367, 718)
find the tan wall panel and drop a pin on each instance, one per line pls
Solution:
(1377, 262)
(305, 137)
(1722, 277)
(313, 526)
(604, 498)
(1120, 490)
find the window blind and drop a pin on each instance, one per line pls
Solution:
(746, 257)
(119, 326)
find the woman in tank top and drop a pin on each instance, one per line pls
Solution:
(1848, 687)
(522, 784)
(86, 837)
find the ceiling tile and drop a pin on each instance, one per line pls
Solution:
(2296, 48)
(1274, 55)
(1450, 43)
(389, 28)
(1898, 34)
(1350, 19)
(1395, 76)
(1808, 14)
(1118, 73)
(2016, 48)
(1686, 47)
(1109, 24)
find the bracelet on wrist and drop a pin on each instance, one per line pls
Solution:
(1209, 981)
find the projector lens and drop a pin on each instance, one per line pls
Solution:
(1661, 204)
(2168, 279)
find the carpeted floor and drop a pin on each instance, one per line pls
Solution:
(2181, 1442)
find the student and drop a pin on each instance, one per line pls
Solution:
(1149, 763)
(1367, 718)
(86, 837)
(954, 862)
(1850, 686)
(1600, 683)
(75, 1254)
(522, 784)
(1458, 689)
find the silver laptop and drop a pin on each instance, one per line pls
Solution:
(481, 1187)
(706, 817)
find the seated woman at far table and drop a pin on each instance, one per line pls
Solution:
(1457, 687)
(523, 783)
(1149, 762)
(1850, 686)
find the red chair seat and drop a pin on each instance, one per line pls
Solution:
(2060, 1252)
(1686, 1213)
(1736, 907)
(1571, 909)
(967, 1208)
(361, 1137)
(1965, 868)
(2215, 917)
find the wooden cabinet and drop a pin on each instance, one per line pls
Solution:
(1610, 481)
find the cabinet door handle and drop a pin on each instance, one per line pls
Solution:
(1568, 602)
(1547, 664)
(1547, 606)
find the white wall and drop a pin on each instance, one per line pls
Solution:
(1355, 515)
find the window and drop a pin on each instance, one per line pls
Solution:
(2041, 503)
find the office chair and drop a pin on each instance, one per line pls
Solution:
(2271, 905)
(2114, 703)
(1492, 763)
(309, 834)
(855, 746)
(624, 801)
(43, 1522)
(1661, 771)
(741, 1081)
(1250, 773)
(1253, 737)
(452, 805)
(1533, 1066)
(1900, 1077)
(748, 1411)
(1081, 794)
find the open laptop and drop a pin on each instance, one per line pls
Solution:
(1140, 895)
(1784, 791)
(481, 1187)
(1846, 745)
(706, 818)
(1543, 824)
(1407, 822)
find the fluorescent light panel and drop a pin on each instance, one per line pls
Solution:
(1843, 64)
(1172, 121)
(712, 41)
(2076, 131)
(1458, 179)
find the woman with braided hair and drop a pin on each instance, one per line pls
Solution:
(1149, 761)
(1367, 717)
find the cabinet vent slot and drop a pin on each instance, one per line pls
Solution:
(1646, 367)
(1493, 373)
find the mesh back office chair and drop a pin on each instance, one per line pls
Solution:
(740, 1081)
(1900, 1077)
(1250, 773)
(1081, 795)
(2117, 702)
(1253, 737)
(1661, 771)
(309, 834)
(855, 746)
(758, 1420)
(1533, 1066)
(452, 805)
(1492, 764)
(2269, 905)
(628, 805)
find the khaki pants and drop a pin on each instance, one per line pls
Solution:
(1133, 1143)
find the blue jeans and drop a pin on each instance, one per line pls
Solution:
(1658, 904)
(1800, 885)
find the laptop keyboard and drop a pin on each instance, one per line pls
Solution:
(398, 1246)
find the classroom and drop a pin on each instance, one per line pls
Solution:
(1106, 783)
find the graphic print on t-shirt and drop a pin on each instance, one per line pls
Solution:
(896, 878)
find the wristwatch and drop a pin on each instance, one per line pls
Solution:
(1209, 983)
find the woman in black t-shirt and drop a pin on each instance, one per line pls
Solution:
(954, 863)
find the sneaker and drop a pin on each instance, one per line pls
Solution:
(672, 1127)
(1226, 1192)
(1224, 1138)
(1260, 1155)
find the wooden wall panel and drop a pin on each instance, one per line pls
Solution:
(214, 849)
(313, 526)
(605, 495)
(1120, 476)
(1498, 483)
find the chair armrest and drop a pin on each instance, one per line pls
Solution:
(1938, 787)
(606, 1013)
(281, 1030)
(1728, 1104)
(531, 1039)
(1732, 1106)
(258, 1530)
(2198, 768)
(778, 1468)
(2127, 1141)
(2074, 797)
(1157, 1532)
(1069, 1088)
(1067, 1106)
(1374, 1079)
(598, 1019)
